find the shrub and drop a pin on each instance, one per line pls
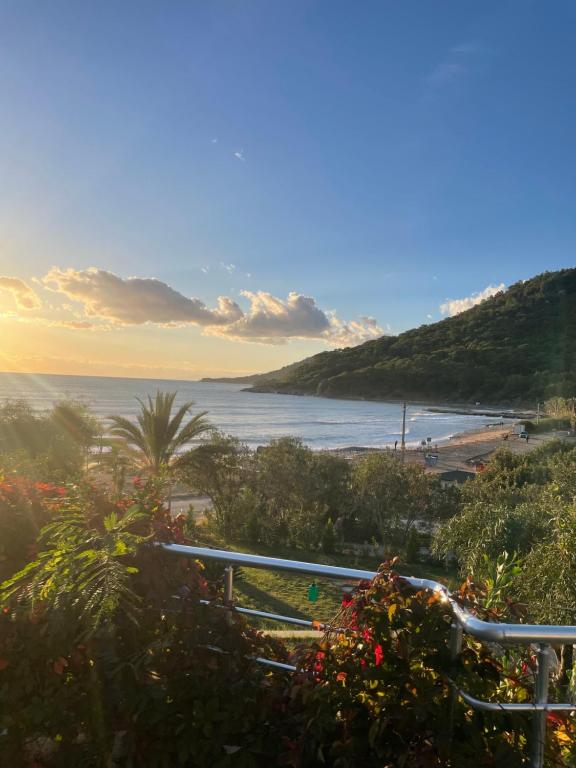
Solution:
(379, 694)
(328, 540)
(100, 664)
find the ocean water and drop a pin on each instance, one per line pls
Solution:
(253, 418)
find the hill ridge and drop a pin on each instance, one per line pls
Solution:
(516, 347)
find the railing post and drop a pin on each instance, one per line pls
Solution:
(229, 590)
(455, 647)
(540, 697)
(455, 640)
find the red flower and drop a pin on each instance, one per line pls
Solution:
(378, 655)
(347, 600)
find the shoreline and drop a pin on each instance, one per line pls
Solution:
(456, 452)
(464, 409)
(486, 432)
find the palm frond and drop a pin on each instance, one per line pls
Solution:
(197, 425)
(83, 573)
(128, 432)
(158, 435)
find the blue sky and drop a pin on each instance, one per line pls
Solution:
(380, 157)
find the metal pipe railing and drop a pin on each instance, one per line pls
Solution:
(268, 563)
(464, 621)
(482, 630)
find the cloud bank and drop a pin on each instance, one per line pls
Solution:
(453, 307)
(136, 300)
(23, 295)
(268, 319)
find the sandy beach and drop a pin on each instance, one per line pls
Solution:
(463, 450)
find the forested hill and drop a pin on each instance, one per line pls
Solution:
(517, 347)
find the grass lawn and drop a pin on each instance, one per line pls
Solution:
(287, 594)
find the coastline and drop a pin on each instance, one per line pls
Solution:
(461, 409)
(463, 451)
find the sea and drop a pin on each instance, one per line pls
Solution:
(255, 419)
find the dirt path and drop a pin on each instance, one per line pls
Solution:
(463, 450)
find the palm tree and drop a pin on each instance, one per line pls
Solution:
(156, 438)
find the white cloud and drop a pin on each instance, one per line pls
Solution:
(136, 300)
(460, 60)
(349, 334)
(445, 73)
(23, 295)
(272, 320)
(240, 155)
(230, 268)
(268, 320)
(214, 141)
(453, 307)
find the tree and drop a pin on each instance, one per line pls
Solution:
(154, 442)
(512, 506)
(52, 445)
(328, 540)
(298, 490)
(391, 495)
(222, 470)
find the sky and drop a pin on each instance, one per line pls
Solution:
(223, 187)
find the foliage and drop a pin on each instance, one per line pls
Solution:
(547, 581)
(328, 540)
(46, 446)
(81, 684)
(222, 470)
(379, 694)
(284, 492)
(25, 507)
(561, 408)
(80, 574)
(522, 505)
(155, 441)
(392, 496)
(547, 424)
(516, 347)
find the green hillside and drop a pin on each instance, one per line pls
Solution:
(517, 347)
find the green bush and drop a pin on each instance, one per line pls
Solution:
(546, 424)
(107, 658)
(101, 665)
(380, 694)
(328, 540)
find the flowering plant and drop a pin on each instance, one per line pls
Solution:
(380, 689)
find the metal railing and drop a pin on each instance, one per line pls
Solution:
(542, 635)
